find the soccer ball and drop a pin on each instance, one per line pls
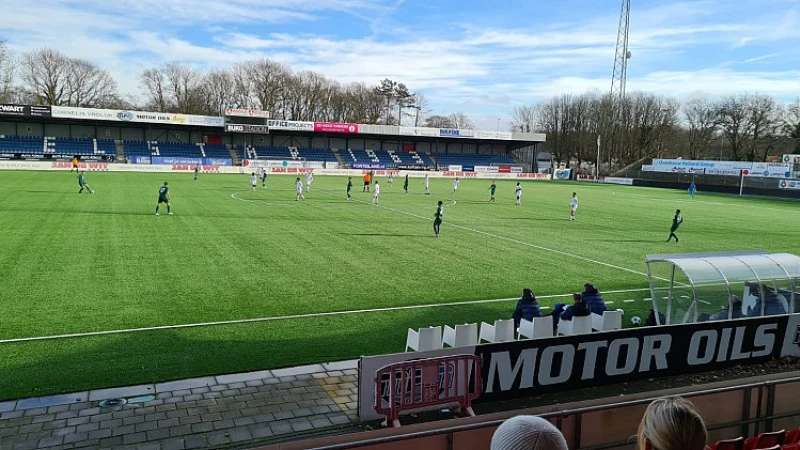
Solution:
(636, 321)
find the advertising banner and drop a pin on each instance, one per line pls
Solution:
(791, 159)
(419, 131)
(290, 125)
(173, 161)
(562, 174)
(68, 112)
(468, 168)
(769, 170)
(243, 128)
(487, 169)
(140, 160)
(452, 132)
(217, 162)
(237, 112)
(259, 163)
(7, 109)
(618, 180)
(455, 168)
(516, 169)
(498, 135)
(789, 184)
(726, 172)
(363, 166)
(534, 366)
(504, 169)
(332, 127)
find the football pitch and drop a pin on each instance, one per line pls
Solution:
(316, 281)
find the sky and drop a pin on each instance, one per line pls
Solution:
(478, 57)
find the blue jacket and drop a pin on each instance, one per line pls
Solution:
(594, 301)
(773, 306)
(527, 308)
(579, 309)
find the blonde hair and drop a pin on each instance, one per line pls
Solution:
(672, 424)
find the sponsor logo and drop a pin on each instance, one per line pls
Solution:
(126, 116)
(12, 109)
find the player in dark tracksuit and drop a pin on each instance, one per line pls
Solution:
(349, 186)
(164, 197)
(437, 221)
(676, 222)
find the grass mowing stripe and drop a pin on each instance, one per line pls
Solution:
(298, 316)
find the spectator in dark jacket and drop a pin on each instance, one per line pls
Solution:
(593, 299)
(579, 308)
(736, 313)
(773, 306)
(527, 307)
(651, 319)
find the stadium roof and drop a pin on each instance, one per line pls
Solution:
(732, 267)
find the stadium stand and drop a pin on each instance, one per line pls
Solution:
(472, 160)
(56, 146)
(780, 439)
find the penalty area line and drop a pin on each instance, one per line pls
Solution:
(289, 317)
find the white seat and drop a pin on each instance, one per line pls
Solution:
(461, 335)
(610, 320)
(540, 327)
(578, 325)
(501, 331)
(425, 339)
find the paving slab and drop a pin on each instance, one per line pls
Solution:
(243, 377)
(341, 365)
(51, 400)
(8, 406)
(300, 370)
(121, 392)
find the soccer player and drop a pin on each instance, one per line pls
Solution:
(196, 172)
(427, 185)
(299, 185)
(455, 186)
(405, 184)
(164, 197)
(519, 194)
(676, 222)
(377, 191)
(74, 164)
(692, 190)
(573, 206)
(391, 179)
(264, 177)
(349, 186)
(82, 183)
(492, 188)
(367, 181)
(253, 181)
(309, 180)
(437, 221)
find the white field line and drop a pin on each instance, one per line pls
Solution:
(290, 317)
(512, 240)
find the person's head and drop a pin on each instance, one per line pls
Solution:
(527, 293)
(166, 184)
(349, 178)
(589, 287)
(298, 179)
(376, 181)
(517, 183)
(574, 194)
(440, 203)
(576, 297)
(527, 433)
(672, 424)
(677, 211)
(253, 174)
(83, 172)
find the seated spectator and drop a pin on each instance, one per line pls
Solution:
(651, 319)
(527, 307)
(593, 299)
(579, 308)
(671, 424)
(773, 306)
(736, 312)
(528, 433)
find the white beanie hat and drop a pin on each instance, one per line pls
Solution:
(528, 433)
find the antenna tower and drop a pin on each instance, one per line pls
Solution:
(622, 54)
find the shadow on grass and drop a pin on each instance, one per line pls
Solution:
(78, 364)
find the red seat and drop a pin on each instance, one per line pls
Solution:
(729, 444)
(774, 447)
(795, 446)
(765, 440)
(792, 437)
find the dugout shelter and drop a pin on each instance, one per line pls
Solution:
(698, 287)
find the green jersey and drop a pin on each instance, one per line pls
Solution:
(492, 188)
(349, 185)
(439, 214)
(81, 180)
(405, 184)
(676, 221)
(163, 192)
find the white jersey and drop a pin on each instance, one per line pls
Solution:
(377, 189)
(455, 184)
(574, 203)
(309, 179)
(299, 186)
(427, 181)
(519, 191)
(253, 180)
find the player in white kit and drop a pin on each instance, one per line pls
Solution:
(519, 194)
(309, 180)
(253, 181)
(299, 185)
(455, 186)
(427, 185)
(573, 206)
(376, 193)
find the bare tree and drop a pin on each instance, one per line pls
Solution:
(184, 85)
(219, 88)
(523, 118)
(8, 73)
(702, 119)
(791, 124)
(421, 108)
(45, 75)
(732, 118)
(403, 99)
(89, 86)
(154, 83)
(268, 81)
(461, 121)
(439, 121)
(764, 126)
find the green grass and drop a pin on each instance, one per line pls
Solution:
(74, 263)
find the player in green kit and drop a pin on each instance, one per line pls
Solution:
(349, 187)
(676, 222)
(164, 197)
(405, 184)
(82, 183)
(492, 188)
(437, 221)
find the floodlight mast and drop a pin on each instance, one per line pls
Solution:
(620, 75)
